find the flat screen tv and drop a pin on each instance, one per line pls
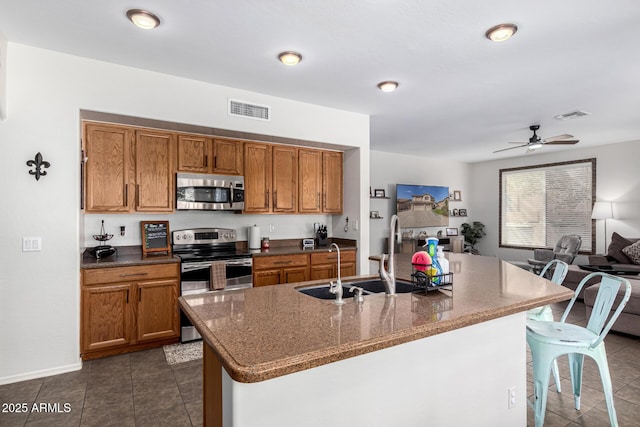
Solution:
(422, 205)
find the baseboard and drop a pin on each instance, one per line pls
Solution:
(42, 373)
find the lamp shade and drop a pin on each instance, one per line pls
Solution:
(602, 210)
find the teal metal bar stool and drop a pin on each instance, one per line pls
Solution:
(559, 269)
(549, 340)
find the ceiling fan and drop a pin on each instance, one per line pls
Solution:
(535, 142)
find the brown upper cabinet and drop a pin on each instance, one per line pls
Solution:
(202, 154)
(155, 177)
(270, 177)
(320, 186)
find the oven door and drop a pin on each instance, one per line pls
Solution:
(194, 279)
(195, 276)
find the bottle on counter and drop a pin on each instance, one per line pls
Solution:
(444, 266)
(265, 243)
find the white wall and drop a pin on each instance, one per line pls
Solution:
(389, 169)
(39, 291)
(617, 180)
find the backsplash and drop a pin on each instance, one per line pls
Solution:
(283, 226)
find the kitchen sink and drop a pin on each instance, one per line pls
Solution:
(369, 287)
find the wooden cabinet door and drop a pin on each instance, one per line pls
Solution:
(107, 176)
(257, 178)
(157, 310)
(266, 277)
(193, 153)
(323, 271)
(332, 181)
(347, 269)
(285, 178)
(309, 180)
(106, 316)
(227, 157)
(293, 275)
(155, 185)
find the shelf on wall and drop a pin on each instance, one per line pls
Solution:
(374, 197)
(378, 217)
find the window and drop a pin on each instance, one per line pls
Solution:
(540, 204)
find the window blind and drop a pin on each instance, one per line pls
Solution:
(540, 204)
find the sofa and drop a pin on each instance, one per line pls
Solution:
(623, 254)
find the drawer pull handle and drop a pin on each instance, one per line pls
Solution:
(282, 262)
(133, 274)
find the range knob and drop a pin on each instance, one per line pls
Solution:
(177, 237)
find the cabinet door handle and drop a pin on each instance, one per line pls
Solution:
(127, 296)
(275, 198)
(206, 161)
(324, 200)
(126, 195)
(139, 294)
(318, 200)
(266, 199)
(215, 162)
(137, 194)
(133, 274)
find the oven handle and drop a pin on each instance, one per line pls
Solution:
(192, 266)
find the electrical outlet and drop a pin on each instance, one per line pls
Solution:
(512, 398)
(31, 244)
(272, 228)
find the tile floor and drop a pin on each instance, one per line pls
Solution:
(140, 389)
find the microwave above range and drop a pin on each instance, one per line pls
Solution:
(196, 191)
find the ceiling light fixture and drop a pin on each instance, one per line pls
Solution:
(534, 146)
(143, 19)
(388, 86)
(290, 58)
(501, 32)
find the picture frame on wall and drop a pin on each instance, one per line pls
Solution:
(462, 212)
(452, 231)
(379, 192)
(457, 196)
(374, 214)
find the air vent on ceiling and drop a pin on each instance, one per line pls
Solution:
(252, 111)
(572, 115)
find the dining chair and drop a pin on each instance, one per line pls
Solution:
(548, 340)
(559, 271)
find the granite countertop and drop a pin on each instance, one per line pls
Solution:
(125, 257)
(293, 250)
(270, 331)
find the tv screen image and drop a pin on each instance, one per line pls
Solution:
(422, 205)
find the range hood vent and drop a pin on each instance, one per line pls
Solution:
(252, 111)
(572, 115)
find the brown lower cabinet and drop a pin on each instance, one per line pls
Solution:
(324, 265)
(276, 269)
(126, 309)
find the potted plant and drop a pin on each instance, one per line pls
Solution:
(472, 233)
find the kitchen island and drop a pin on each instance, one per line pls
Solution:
(274, 356)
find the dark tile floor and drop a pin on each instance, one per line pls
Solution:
(137, 389)
(140, 389)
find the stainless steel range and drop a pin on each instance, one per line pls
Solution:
(198, 248)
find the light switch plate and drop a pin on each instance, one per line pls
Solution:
(31, 244)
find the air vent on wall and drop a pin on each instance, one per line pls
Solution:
(572, 115)
(252, 111)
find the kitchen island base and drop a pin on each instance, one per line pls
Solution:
(460, 377)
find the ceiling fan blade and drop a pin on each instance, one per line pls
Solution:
(516, 142)
(565, 142)
(510, 148)
(557, 137)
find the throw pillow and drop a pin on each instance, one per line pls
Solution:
(633, 252)
(615, 251)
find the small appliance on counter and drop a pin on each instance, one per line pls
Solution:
(308, 244)
(102, 250)
(321, 235)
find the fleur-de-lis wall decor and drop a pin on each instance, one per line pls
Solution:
(37, 165)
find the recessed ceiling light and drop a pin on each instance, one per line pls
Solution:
(143, 19)
(290, 58)
(388, 86)
(501, 32)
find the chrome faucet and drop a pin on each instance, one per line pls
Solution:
(389, 276)
(336, 288)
